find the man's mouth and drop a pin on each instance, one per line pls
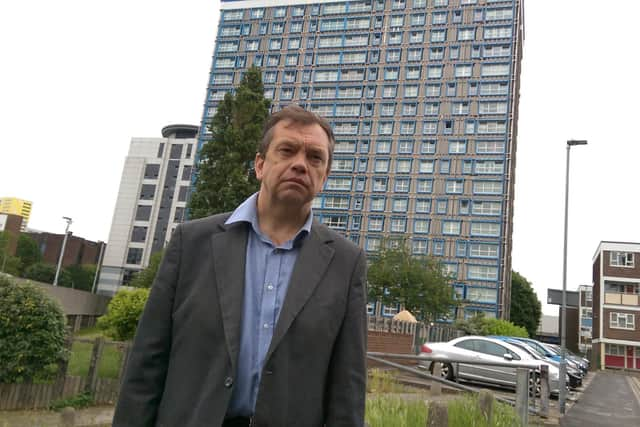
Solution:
(297, 181)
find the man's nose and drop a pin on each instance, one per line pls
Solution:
(300, 161)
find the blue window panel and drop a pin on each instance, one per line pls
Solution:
(424, 186)
(437, 247)
(419, 246)
(461, 248)
(402, 185)
(421, 225)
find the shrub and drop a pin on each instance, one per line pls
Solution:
(78, 401)
(123, 314)
(32, 332)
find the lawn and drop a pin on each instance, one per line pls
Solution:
(81, 356)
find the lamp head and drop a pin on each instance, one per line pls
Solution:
(572, 142)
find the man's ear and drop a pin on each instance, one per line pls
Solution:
(259, 164)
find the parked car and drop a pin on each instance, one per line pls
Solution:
(548, 351)
(581, 361)
(575, 375)
(470, 351)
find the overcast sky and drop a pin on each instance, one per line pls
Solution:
(80, 78)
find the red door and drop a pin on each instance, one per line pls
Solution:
(630, 361)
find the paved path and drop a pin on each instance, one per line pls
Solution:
(612, 399)
(94, 416)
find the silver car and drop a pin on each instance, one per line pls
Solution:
(470, 351)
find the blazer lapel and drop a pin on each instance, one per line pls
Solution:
(313, 259)
(229, 255)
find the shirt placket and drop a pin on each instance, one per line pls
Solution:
(268, 301)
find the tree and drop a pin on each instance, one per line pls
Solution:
(418, 283)
(46, 273)
(526, 309)
(32, 332)
(79, 276)
(225, 177)
(144, 278)
(123, 314)
(479, 324)
(28, 252)
(8, 263)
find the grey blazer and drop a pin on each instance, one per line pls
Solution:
(183, 362)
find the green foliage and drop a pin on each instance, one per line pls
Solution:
(109, 366)
(383, 381)
(392, 411)
(78, 401)
(123, 314)
(8, 263)
(144, 278)
(41, 272)
(465, 412)
(526, 309)
(225, 177)
(481, 325)
(32, 332)
(395, 276)
(80, 276)
(27, 251)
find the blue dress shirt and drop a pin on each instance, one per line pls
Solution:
(268, 269)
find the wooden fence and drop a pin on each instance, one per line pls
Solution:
(105, 390)
(37, 396)
(421, 332)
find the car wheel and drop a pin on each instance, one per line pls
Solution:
(445, 372)
(535, 385)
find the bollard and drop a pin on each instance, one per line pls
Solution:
(522, 395)
(68, 417)
(485, 402)
(436, 387)
(438, 415)
(544, 391)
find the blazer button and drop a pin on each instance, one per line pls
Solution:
(228, 382)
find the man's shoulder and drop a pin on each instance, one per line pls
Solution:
(339, 242)
(209, 224)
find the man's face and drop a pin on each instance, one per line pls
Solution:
(294, 168)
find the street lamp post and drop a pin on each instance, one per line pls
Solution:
(562, 398)
(64, 243)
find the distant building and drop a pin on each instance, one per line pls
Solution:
(14, 206)
(616, 306)
(549, 329)
(586, 318)
(12, 224)
(151, 201)
(78, 251)
(423, 100)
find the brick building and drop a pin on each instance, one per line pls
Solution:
(77, 251)
(616, 306)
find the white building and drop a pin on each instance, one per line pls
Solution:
(151, 202)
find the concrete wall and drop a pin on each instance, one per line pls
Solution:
(75, 302)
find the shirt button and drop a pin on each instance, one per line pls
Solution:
(269, 286)
(228, 382)
(266, 326)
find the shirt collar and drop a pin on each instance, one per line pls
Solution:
(248, 212)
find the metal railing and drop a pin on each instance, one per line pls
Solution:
(523, 374)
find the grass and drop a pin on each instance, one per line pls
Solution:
(80, 358)
(391, 404)
(381, 381)
(465, 412)
(389, 411)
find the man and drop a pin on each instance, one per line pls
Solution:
(256, 317)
